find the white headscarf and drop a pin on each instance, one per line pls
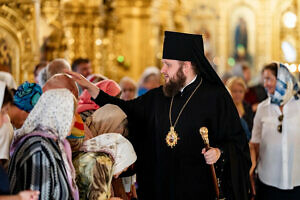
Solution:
(54, 110)
(114, 144)
(6, 129)
(2, 93)
(8, 79)
(6, 136)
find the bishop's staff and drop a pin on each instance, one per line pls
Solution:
(204, 133)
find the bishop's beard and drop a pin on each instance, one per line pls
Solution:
(175, 83)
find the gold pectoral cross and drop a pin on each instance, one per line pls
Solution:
(172, 137)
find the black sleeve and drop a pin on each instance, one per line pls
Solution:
(133, 108)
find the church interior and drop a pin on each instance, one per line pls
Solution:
(123, 37)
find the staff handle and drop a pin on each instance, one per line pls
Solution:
(204, 133)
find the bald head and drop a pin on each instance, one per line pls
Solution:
(61, 81)
(57, 66)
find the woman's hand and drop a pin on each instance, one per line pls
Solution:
(28, 195)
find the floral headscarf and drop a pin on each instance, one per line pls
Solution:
(27, 96)
(286, 86)
(55, 111)
(114, 144)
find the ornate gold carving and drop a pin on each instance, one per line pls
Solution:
(17, 19)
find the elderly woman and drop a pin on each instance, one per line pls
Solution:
(101, 161)
(275, 142)
(42, 155)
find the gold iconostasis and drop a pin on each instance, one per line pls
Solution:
(123, 37)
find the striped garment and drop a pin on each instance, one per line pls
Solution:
(37, 164)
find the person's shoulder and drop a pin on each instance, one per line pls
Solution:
(263, 104)
(153, 93)
(212, 87)
(37, 144)
(247, 106)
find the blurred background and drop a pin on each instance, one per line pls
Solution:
(123, 37)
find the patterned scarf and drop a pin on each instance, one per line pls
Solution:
(286, 86)
(115, 145)
(27, 96)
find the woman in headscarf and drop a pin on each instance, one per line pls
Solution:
(102, 157)
(41, 158)
(86, 106)
(275, 142)
(78, 130)
(6, 98)
(107, 119)
(26, 96)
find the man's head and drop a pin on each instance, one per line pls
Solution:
(186, 51)
(82, 66)
(57, 66)
(246, 73)
(61, 81)
(177, 74)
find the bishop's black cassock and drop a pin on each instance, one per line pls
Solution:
(181, 172)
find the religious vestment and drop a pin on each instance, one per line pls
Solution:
(181, 172)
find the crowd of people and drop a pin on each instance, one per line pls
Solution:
(73, 134)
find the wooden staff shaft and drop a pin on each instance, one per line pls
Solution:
(213, 173)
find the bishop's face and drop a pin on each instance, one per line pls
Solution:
(169, 69)
(174, 76)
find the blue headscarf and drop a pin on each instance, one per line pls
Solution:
(286, 86)
(27, 96)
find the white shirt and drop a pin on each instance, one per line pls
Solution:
(279, 153)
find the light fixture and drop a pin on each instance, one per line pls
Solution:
(289, 19)
(289, 51)
(293, 68)
(98, 42)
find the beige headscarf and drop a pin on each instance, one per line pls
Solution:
(106, 119)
